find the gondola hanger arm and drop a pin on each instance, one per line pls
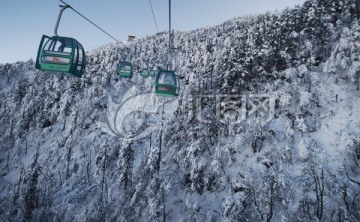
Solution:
(63, 7)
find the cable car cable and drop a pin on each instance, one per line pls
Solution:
(152, 10)
(92, 23)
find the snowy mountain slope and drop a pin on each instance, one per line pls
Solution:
(266, 127)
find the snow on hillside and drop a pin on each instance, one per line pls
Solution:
(266, 127)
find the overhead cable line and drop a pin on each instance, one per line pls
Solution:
(152, 10)
(92, 23)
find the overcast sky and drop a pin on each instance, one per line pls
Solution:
(23, 22)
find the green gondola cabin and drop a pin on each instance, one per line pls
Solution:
(125, 70)
(152, 73)
(144, 73)
(167, 83)
(61, 54)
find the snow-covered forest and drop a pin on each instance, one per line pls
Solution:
(266, 126)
